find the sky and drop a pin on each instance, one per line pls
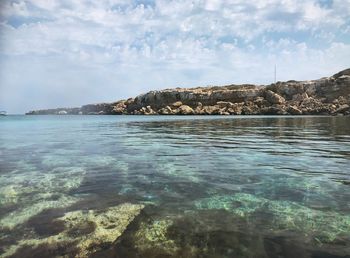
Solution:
(67, 53)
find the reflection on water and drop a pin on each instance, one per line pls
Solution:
(129, 186)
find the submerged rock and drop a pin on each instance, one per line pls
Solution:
(47, 191)
(99, 228)
(8, 195)
(326, 226)
(86, 231)
(20, 216)
(155, 235)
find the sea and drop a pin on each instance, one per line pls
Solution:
(175, 186)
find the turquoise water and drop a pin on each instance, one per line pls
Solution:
(141, 186)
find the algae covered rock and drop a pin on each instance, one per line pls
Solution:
(107, 226)
(8, 194)
(87, 231)
(325, 226)
(155, 235)
(48, 191)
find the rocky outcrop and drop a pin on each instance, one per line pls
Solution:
(330, 95)
(56, 111)
(274, 98)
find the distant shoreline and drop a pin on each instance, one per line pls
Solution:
(325, 96)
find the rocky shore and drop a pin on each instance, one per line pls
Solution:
(325, 96)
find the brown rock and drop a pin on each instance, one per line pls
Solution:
(323, 96)
(293, 110)
(300, 97)
(246, 110)
(185, 110)
(176, 104)
(342, 108)
(224, 104)
(224, 113)
(274, 98)
(149, 111)
(236, 109)
(260, 101)
(165, 111)
(311, 103)
(211, 110)
(274, 110)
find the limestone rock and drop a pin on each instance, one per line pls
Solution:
(293, 110)
(176, 104)
(236, 109)
(119, 108)
(260, 101)
(322, 96)
(165, 111)
(274, 98)
(343, 108)
(185, 110)
(149, 111)
(211, 110)
(300, 97)
(224, 104)
(345, 72)
(225, 113)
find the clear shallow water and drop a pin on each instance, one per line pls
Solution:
(174, 186)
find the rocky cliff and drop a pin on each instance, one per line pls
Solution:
(326, 96)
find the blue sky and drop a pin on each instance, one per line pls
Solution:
(69, 53)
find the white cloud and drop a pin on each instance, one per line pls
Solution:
(134, 46)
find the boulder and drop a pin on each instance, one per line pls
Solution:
(274, 98)
(311, 103)
(246, 110)
(211, 110)
(176, 104)
(260, 101)
(119, 108)
(342, 108)
(236, 109)
(185, 110)
(224, 104)
(224, 113)
(293, 110)
(165, 111)
(149, 111)
(274, 110)
(300, 97)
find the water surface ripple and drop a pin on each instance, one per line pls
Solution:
(174, 186)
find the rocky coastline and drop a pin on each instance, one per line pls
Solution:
(325, 96)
